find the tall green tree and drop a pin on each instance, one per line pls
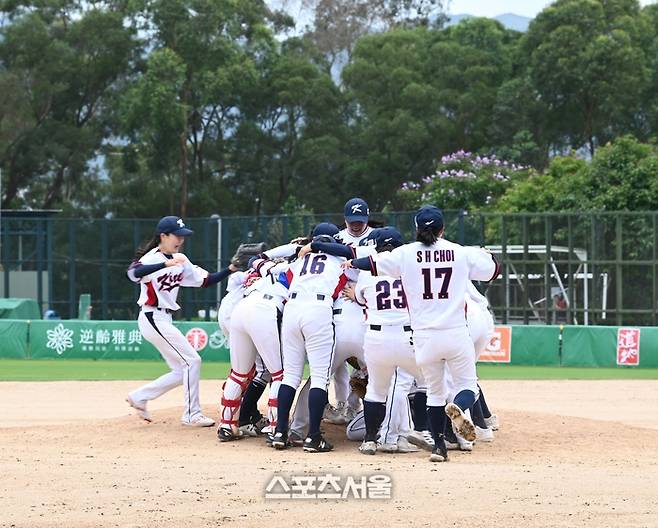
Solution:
(419, 94)
(66, 60)
(203, 57)
(587, 64)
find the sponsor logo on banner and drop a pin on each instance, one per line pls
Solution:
(197, 337)
(499, 348)
(628, 346)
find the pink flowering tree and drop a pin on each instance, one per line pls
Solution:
(463, 180)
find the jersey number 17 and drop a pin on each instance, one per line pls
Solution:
(439, 273)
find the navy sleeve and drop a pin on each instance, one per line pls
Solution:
(214, 278)
(138, 270)
(337, 250)
(364, 263)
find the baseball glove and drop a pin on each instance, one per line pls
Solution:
(359, 383)
(245, 252)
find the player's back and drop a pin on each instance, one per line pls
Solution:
(435, 280)
(318, 274)
(384, 298)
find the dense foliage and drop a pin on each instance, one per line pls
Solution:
(211, 106)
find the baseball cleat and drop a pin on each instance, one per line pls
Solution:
(484, 435)
(263, 424)
(198, 420)
(422, 439)
(387, 448)
(228, 434)
(295, 439)
(317, 444)
(461, 424)
(492, 422)
(440, 452)
(280, 440)
(368, 447)
(464, 445)
(405, 447)
(247, 430)
(140, 407)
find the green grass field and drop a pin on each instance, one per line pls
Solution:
(84, 369)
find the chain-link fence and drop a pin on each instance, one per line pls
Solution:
(574, 268)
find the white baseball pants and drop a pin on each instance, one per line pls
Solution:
(185, 363)
(436, 349)
(254, 332)
(307, 330)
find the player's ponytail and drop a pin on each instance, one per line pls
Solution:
(428, 235)
(147, 246)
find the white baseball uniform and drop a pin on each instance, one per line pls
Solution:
(348, 317)
(435, 281)
(255, 333)
(158, 295)
(397, 420)
(308, 319)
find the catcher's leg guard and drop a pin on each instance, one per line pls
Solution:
(273, 402)
(235, 385)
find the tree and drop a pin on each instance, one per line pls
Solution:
(67, 61)
(292, 135)
(419, 94)
(338, 24)
(587, 64)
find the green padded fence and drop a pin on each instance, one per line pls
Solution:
(573, 346)
(116, 340)
(610, 346)
(535, 345)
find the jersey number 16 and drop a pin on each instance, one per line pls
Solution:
(317, 264)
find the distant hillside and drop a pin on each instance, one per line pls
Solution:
(509, 20)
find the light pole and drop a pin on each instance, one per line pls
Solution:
(218, 219)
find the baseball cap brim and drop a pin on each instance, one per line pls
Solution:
(183, 231)
(356, 218)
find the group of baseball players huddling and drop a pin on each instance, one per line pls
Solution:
(406, 317)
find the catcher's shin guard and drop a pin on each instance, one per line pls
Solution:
(234, 386)
(273, 402)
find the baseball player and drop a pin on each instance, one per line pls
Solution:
(434, 274)
(255, 323)
(255, 340)
(388, 341)
(348, 317)
(160, 270)
(307, 329)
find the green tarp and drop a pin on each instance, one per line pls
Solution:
(19, 309)
(13, 339)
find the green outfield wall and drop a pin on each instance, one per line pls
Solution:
(574, 346)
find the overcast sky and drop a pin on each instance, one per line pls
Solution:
(528, 8)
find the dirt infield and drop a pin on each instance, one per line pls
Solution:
(569, 454)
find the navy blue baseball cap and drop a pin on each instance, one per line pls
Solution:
(356, 210)
(382, 237)
(172, 225)
(428, 216)
(325, 228)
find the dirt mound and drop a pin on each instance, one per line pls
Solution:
(542, 470)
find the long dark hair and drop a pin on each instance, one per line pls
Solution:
(428, 235)
(147, 246)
